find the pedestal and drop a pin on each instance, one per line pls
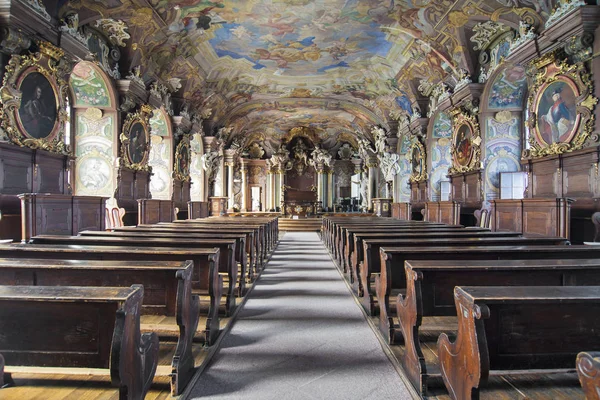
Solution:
(382, 207)
(218, 205)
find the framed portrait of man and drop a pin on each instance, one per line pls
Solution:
(34, 100)
(135, 139)
(466, 139)
(38, 113)
(560, 106)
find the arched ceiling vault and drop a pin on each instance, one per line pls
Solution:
(339, 63)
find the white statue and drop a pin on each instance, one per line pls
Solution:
(320, 156)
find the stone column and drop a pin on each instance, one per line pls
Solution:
(280, 173)
(269, 188)
(243, 207)
(330, 190)
(229, 164)
(373, 166)
(320, 186)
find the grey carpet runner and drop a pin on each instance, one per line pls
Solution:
(300, 335)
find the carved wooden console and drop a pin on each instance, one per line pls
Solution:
(57, 214)
(197, 209)
(402, 211)
(181, 197)
(382, 207)
(218, 205)
(151, 211)
(447, 212)
(25, 170)
(550, 217)
(131, 186)
(418, 197)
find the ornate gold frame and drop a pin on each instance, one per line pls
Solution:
(423, 175)
(460, 118)
(142, 117)
(183, 146)
(550, 70)
(47, 63)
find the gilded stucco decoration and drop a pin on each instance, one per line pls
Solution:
(135, 139)
(181, 168)
(560, 107)
(466, 140)
(417, 157)
(34, 96)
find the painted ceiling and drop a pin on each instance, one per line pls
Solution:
(361, 58)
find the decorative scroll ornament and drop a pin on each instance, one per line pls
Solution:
(526, 34)
(210, 162)
(466, 141)
(565, 7)
(39, 8)
(181, 169)
(70, 25)
(464, 79)
(34, 97)
(390, 166)
(560, 108)
(135, 139)
(135, 75)
(255, 151)
(345, 152)
(486, 33)
(116, 31)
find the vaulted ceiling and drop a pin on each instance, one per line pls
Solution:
(265, 66)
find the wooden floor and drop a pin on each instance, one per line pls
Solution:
(93, 384)
(518, 387)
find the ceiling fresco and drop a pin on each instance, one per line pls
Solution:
(369, 53)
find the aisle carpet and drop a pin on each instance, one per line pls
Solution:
(300, 335)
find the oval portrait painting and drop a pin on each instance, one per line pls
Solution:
(38, 111)
(556, 112)
(463, 146)
(137, 143)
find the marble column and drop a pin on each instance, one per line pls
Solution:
(269, 189)
(373, 166)
(229, 164)
(280, 173)
(244, 186)
(330, 190)
(320, 186)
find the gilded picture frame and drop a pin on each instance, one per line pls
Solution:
(135, 139)
(34, 98)
(181, 169)
(417, 156)
(560, 107)
(465, 145)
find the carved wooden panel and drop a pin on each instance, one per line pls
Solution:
(125, 185)
(432, 211)
(16, 169)
(142, 185)
(197, 209)
(507, 215)
(580, 174)
(151, 211)
(60, 214)
(401, 211)
(177, 191)
(449, 212)
(49, 173)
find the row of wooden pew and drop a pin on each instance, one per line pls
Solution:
(518, 303)
(80, 301)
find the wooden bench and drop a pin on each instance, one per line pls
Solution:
(350, 248)
(373, 264)
(253, 247)
(357, 256)
(79, 327)
(588, 369)
(430, 293)
(205, 274)
(227, 263)
(241, 257)
(168, 292)
(513, 329)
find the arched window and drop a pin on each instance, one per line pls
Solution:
(161, 155)
(95, 130)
